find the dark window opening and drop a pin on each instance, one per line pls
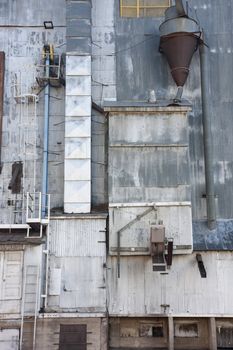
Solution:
(151, 330)
(73, 337)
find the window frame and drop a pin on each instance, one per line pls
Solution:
(139, 7)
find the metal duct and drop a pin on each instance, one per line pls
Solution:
(207, 139)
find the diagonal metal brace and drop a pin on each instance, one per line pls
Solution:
(119, 232)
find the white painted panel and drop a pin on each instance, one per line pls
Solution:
(78, 237)
(177, 220)
(182, 288)
(78, 127)
(77, 208)
(78, 85)
(78, 65)
(77, 169)
(178, 224)
(55, 281)
(9, 339)
(77, 148)
(78, 106)
(83, 283)
(12, 275)
(77, 191)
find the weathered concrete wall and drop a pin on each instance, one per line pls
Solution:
(48, 331)
(22, 38)
(136, 333)
(140, 291)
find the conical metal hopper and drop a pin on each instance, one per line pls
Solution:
(180, 37)
(179, 49)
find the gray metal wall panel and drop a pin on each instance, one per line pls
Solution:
(148, 128)
(99, 190)
(140, 67)
(78, 9)
(141, 291)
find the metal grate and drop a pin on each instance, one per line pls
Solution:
(73, 337)
(143, 8)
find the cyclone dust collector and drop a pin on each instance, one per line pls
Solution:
(179, 39)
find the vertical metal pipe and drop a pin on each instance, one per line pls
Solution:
(46, 138)
(208, 150)
(2, 73)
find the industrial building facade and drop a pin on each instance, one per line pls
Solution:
(116, 219)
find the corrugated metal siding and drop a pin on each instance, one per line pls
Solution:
(177, 221)
(153, 161)
(141, 68)
(142, 291)
(78, 237)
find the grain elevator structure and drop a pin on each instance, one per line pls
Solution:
(116, 225)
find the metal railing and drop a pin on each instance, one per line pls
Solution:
(38, 208)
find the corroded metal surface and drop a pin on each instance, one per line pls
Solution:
(179, 49)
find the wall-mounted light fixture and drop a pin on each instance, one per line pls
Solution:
(48, 24)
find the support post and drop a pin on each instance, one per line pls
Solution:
(212, 334)
(170, 333)
(207, 138)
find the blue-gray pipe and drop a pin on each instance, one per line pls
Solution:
(46, 139)
(207, 136)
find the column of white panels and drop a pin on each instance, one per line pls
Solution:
(77, 187)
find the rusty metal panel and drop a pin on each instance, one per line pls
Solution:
(2, 74)
(73, 337)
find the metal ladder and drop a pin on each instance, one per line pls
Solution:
(30, 300)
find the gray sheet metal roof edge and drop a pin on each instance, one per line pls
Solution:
(168, 105)
(220, 239)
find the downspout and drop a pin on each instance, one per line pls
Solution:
(2, 73)
(46, 136)
(208, 150)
